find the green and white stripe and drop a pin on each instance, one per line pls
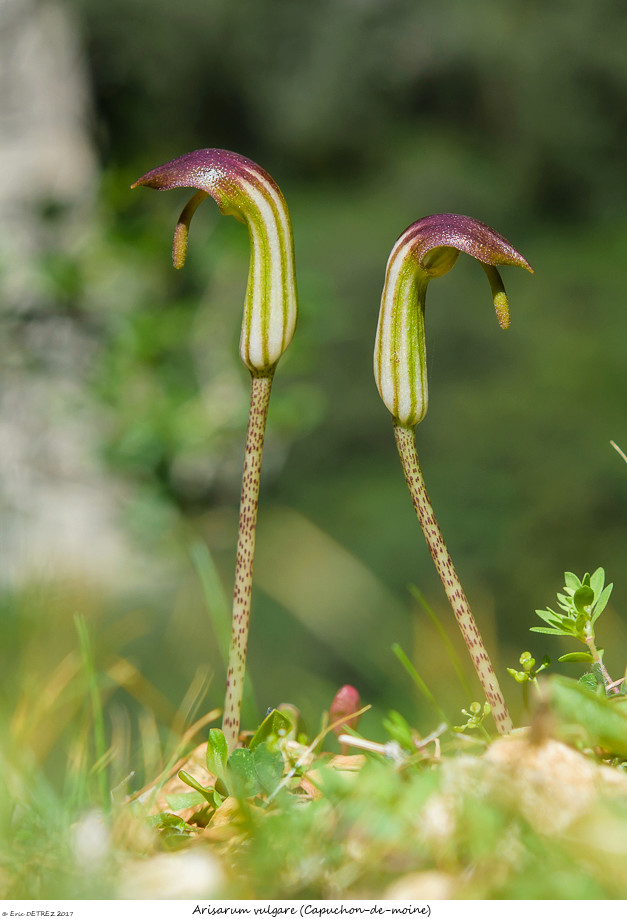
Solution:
(270, 308)
(400, 355)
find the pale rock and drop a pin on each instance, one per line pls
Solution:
(422, 885)
(187, 875)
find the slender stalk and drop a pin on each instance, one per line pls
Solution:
(259, 401)
(406, 443)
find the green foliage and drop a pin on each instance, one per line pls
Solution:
(582, 603)
(356, 838)
(247, 771)
(254, 772)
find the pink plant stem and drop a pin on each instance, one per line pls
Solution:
(259, 401)
(406, 443)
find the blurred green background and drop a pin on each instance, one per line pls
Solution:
(369, 114)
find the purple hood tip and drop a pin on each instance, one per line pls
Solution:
(469, 236)
(202, 169)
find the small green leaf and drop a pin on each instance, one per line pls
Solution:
(170, 822)
(268, 767)
(242, 774)
(217, 753)
(601, 603)
(207, 793)
(276, 724)
(549, 616)
(597, 580)
(571, 580)
(185, 799)
(583, 597)
(589, 681)
(576, 656)
(538, 628)
(173, 830)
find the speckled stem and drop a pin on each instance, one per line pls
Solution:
(406, 443)
(259, 401)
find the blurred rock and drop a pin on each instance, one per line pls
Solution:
(46, 157)
(91, 845)
(56, 506)
(175, 876)
(551, 784)
(422, 885)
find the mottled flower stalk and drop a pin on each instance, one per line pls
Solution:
(245, 191)
(426, 250)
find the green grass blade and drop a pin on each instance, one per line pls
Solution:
(446, 641)
(217, 604)
(420, 683)
(100, 743)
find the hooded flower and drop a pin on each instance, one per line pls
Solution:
(244, 190)
(426, 250)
